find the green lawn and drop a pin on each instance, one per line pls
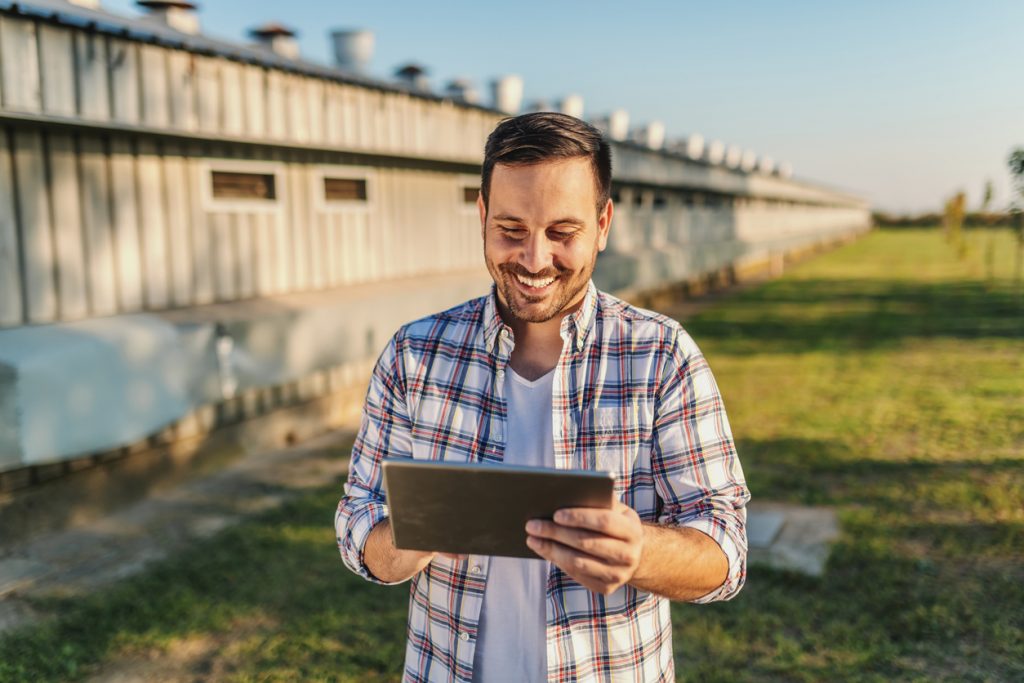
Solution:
(886, 379)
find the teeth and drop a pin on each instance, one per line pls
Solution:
(533, 282)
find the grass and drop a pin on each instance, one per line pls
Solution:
(885, 379)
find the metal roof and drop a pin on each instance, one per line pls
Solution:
(145, 29)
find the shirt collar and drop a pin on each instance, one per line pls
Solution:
(575, 327)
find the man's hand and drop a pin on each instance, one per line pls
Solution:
(600, 549)
(389, 564)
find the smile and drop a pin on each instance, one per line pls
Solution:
(535, 283)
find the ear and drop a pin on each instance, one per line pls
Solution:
(482, 208)
(604, 225)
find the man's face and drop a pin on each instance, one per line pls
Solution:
(541, 236)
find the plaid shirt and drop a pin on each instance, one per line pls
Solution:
(631, 394)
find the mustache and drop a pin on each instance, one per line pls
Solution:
(516, 269)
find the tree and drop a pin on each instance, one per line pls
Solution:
(990, 249)
(1016, 164)
(954, 221)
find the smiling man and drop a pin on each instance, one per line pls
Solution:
(548, 371)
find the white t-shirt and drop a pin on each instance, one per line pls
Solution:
(512, 643)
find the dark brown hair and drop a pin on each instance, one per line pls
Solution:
(542, 136)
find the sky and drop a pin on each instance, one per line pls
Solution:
(903, 102)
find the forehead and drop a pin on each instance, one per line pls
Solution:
(562, 182)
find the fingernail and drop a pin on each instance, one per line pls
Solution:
(533, 526)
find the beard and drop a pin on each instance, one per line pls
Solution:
(540, 308)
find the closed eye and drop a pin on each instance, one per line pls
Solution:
(512, 233)
(562, 234)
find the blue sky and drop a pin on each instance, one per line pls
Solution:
(903, 102)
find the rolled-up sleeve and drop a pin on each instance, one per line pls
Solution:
(384, 431)
(697, 472)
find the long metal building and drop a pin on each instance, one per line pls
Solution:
(195, 232)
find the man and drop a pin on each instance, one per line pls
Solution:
(548, 371)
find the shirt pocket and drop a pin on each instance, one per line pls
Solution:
(615, 443)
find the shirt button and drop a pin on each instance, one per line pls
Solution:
(501, 374)
(475, 569)
(464, 636)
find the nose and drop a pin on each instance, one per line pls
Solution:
(536, 255)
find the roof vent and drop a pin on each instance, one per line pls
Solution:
(748, 162)
(278, 39)
(90, 4)
(462, 90)
(508, 93)
(353, 49)
(715, 152)
(652, 135)
(614, 125)
(413, 76)
(176, 14)
(694, 146)
(733, 156)
(784, 169)
(571, 105)
(766, 165)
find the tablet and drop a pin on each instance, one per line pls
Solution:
(482, 509)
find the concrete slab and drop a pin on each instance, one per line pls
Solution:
(800, 536)
(763, 526)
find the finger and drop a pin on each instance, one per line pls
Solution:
(582, 568)
(608, 522)
(606, 548)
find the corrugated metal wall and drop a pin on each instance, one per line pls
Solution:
(115, 225)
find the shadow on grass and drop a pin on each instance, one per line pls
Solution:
(796, 315)
(865, 620)
(282, 570)
(810, 470)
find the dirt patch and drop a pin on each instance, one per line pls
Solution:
(199, 657)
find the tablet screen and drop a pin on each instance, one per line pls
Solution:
(482, 509)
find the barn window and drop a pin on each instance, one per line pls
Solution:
(469, 194)
(233, 185)
(345, 189)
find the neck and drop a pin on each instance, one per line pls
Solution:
(537, 345)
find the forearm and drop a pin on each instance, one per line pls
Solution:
(388, 563)
(679, 563)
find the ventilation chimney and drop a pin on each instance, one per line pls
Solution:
(353, 49)
(715, 152)
(652, 135)
(694, 146)
(571, 105)
(784, 169)
(278, 39)
(748, 162)
(413, 76)
(766, 165)
(462, 90)
(614, 125)
(89, 4)
(733, 156)
(176, 14)
(508, 93)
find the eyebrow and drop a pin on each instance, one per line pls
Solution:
(568, 220)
